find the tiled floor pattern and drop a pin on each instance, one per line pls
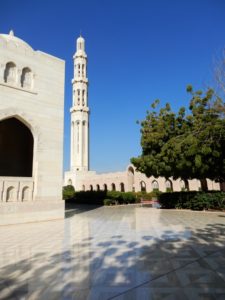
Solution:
(121, 253)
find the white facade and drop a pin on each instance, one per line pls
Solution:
(31, 123)
(79, 175)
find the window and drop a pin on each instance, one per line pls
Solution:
(26, 78)
(10, 73)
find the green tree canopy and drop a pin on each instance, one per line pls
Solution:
(187, 144)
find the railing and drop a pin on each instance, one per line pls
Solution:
(16, 189)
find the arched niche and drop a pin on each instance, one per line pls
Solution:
(10, 73)
(26, 79)
(143, 186)
(16, 148)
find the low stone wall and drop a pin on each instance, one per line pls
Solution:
(16, 189)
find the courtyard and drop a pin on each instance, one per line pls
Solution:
(128, 252)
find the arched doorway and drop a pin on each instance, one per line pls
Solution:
(169, 185)
(16, 149)
(113, 187)
(143, 186)
(122, 188)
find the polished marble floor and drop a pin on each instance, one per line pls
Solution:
(116, 253)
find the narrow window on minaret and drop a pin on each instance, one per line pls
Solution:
(74, 94)
(79, 70)
(82, 70)
(78, 99)
(77, 137)
(83, 93)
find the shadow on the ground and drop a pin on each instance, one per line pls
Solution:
(172, 265)
(72, 209)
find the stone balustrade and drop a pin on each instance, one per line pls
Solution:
(16, 189)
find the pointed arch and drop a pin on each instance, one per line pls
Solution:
(155, 185)
(143, 186)
(169, 185)
(122, 187)
(25, 193)
(16, 151)
(113, 187)
(10, 72)
(26, 79)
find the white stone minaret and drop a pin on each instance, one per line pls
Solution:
(79, 160)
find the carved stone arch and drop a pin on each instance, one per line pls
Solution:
(143, 186)
(155, 185)
(169, 185)
(122, 187)
(25, 119)
(130, 177)
(113, 187)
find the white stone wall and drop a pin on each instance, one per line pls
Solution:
(91, 180)
(39, 104)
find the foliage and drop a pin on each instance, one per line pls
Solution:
(108, 202)
(193, 200)
(184, 145)
(121, 197)
(68, 192)
(147, 196)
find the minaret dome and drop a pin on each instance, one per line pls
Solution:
(80, 44)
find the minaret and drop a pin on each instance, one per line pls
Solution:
(79, 160)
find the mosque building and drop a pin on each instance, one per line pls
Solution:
(31, 133)
(79, 174)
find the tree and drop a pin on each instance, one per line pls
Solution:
(185, 145)
(220, 72)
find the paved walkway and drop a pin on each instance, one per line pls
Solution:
(115, 253)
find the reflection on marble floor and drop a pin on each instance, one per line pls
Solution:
(115, 253)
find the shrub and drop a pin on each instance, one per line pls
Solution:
(89, 197)
(193, 200)
(68, 192)
(128, 197)
(108, 202)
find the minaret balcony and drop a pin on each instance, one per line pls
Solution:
(79, 79)
(76, 108)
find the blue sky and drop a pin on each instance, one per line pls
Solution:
(137, 51)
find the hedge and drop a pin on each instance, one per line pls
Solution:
(194, 200)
